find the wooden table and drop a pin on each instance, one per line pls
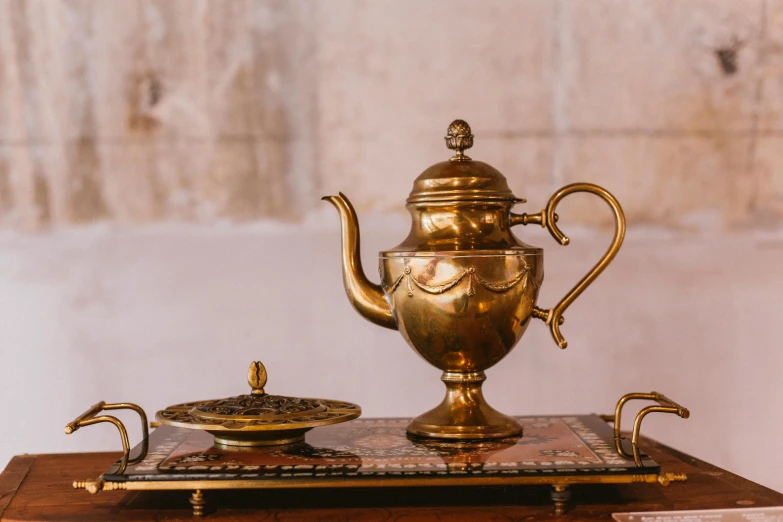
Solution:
(38, 487)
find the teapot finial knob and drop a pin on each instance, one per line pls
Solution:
(256, 377)
(459, 138)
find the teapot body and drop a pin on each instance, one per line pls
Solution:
(463, 312)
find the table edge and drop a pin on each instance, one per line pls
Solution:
(11, 478)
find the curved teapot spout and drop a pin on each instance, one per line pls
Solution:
(365, 296)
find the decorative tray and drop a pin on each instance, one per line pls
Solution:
(553, 450)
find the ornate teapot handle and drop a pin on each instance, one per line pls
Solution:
(548, 219)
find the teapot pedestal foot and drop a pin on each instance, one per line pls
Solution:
(464, 413)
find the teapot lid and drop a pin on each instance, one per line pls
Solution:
(461, 178)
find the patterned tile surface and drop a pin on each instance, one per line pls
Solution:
(380, 447)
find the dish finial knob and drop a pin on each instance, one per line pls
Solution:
(256, 377)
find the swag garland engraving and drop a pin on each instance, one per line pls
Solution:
(469, 273)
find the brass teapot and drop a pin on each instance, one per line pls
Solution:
(461, 288)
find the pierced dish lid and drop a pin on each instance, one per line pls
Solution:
(258, 419)
(460, 178)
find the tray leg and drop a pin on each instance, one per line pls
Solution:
(198, 503)
(560, 495)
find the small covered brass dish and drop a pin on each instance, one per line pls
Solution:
(462, 288)
(258, 419)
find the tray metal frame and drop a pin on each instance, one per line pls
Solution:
(560, 483)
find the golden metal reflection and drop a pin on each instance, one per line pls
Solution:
(258, 419)
(560, 496)
(547, 218)
(198, 502)
(469, 286)
(560, 483)
(89, 418)
(347, 482)
(665, 405)
(459, 138)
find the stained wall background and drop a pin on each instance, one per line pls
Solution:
(161, 164)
